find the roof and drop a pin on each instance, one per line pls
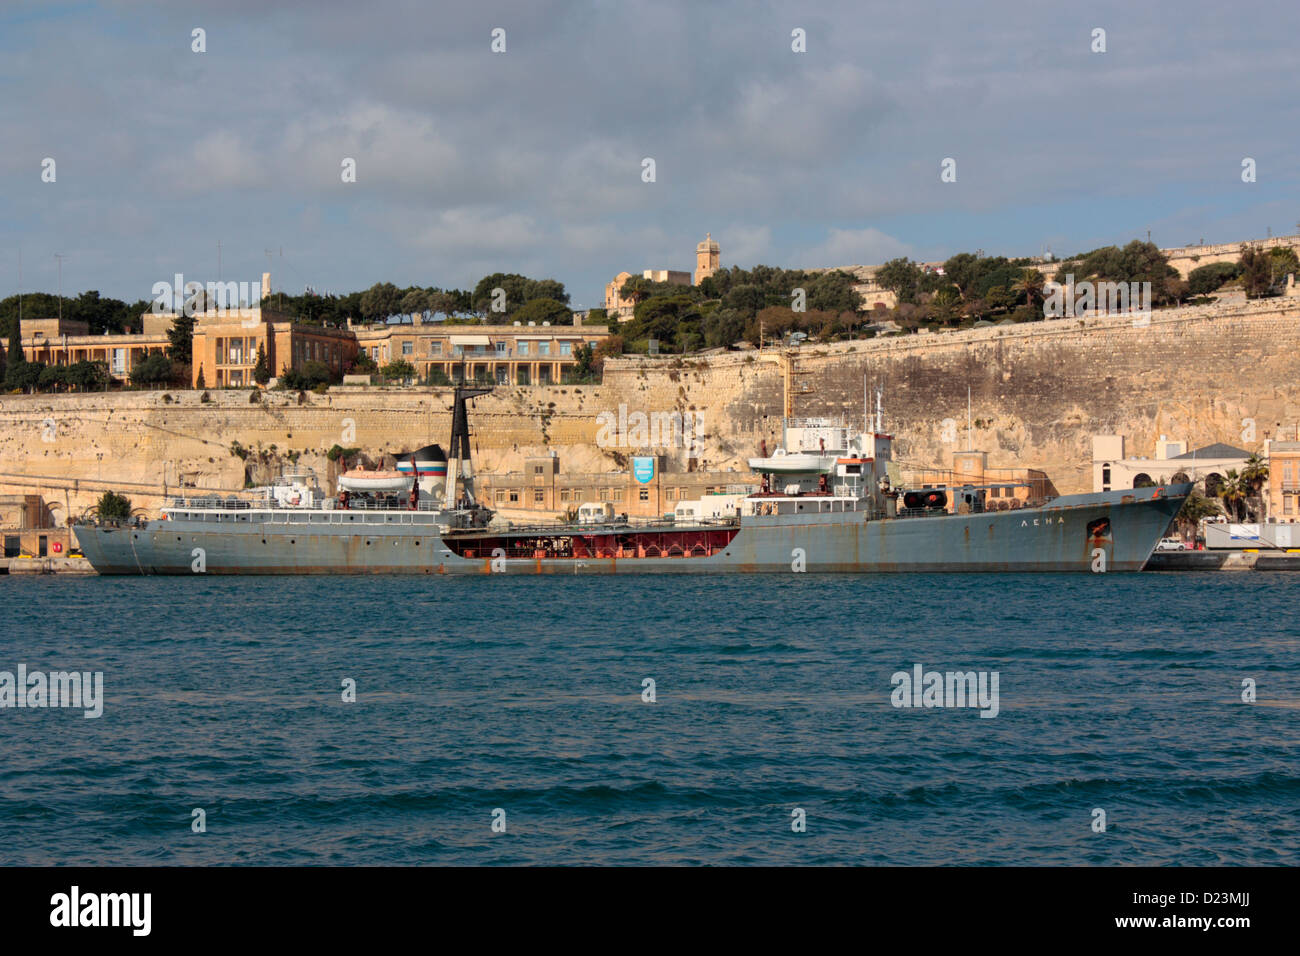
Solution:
(1217, 450)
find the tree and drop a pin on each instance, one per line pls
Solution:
(1195, 509)
(543, 310)
(833, 292)
(1285, 262)
(154, 369)
(398, 370)
(198, 382)
(364, 365)
(1232, 491)
(584, 365)
(514, 285)
(89, 376)
(313, 374)
(261, 371)
(181, 338)
(1256, 272)
(380, 301)
(900, 276)
(113, 507)
(1030, 285)
(416, 300)
(15, 360)
(1210, 278)
(1253, 475)
(53, 377)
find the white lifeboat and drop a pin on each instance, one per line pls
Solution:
(358, 479)
(799, 463)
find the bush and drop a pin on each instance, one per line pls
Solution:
(398, 370)
(1206, 279)
(113, 507)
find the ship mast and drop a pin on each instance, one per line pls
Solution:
(460, 442)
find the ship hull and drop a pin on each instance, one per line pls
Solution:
(1108, 531)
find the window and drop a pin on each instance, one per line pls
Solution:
(564, 494)
(374, 353)
(539, 496)
(523, 348)
(408, 348)
(501, 348)
(618, 494)
(514, 497)
(221, 351)
(645, 494)
(543, 348)
(566, 348)
(668, 494)
(1288, 504)
(537, 469)
(435, 348)
(500, 497)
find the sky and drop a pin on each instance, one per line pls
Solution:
(532, 160)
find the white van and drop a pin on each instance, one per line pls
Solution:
(595, 512)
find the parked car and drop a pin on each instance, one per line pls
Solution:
(1171, 544)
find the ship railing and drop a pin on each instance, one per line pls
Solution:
(217, 503)
(287, 516)
(617, 527)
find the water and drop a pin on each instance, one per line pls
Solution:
(1118, 692)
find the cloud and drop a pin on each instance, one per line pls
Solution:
(470, 162)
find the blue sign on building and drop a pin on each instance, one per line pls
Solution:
(643, 469)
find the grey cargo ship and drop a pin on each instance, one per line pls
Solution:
(829, 500)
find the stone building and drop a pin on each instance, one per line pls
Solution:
(226, 344)
(706, 258)
(500, 354)
(706, 264)
(1283, 490)
(1172, 463)
(56, 341)
(29, 527)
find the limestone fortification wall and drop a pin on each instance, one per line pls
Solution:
(1039, 392)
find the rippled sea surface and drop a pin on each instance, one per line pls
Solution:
(1116, 692)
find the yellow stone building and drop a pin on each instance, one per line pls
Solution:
(226, 343)
(67, 341)
(706, 264)
(500, 354)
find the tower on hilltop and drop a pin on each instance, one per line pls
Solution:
(706, 258)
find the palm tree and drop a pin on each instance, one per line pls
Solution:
(1196, 508)
(1254, 473)
(1233, 493)
(1030, 284)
